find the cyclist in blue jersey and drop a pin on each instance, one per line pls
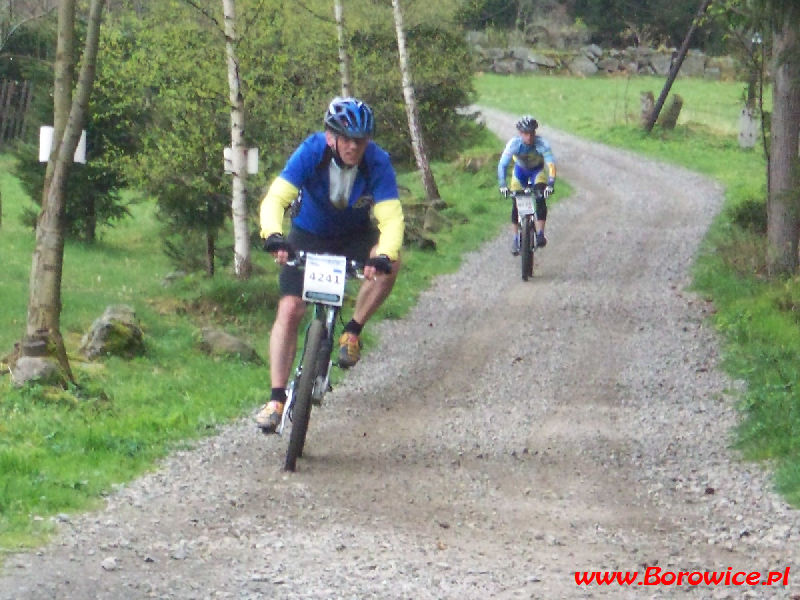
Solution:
(336, 181)
(533, 166)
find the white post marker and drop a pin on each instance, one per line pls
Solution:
(46, 145)
(252, 160)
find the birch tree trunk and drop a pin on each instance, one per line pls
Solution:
(241, 240)
(43, 333)
(783, 203)
(417, 141)
(344, 58)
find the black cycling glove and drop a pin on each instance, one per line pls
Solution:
(275, 242)
(381, 263)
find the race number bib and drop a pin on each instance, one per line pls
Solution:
(324, 279)
(525, 205)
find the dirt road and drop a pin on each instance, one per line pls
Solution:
(502, 437)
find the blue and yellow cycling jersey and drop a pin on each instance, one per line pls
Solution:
(336, 201)
(529, 161)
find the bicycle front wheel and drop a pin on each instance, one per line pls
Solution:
(526, 242)
(301, 405)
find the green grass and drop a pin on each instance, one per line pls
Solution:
(759, 318)
(62, 450)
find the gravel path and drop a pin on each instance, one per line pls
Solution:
(503, 436)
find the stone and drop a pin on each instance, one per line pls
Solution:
(506, 66)
(661, 63)
(39, 369)
(116, 333)
(609, 65)
(542, 61)
(221, 343)
(582, 66)
(435, 221)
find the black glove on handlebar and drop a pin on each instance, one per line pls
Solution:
(381, 263)
(276, 242)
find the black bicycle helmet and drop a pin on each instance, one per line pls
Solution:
(527, 124)
(350, 117)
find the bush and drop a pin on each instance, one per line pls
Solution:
(750, 214)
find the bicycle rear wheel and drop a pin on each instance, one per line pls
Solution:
(301, 405)
(526, 242)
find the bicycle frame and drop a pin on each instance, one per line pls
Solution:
(324, 289)
(328, 315)
(526, 219)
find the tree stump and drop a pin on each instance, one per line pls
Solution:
(647, 103)
(669, 118)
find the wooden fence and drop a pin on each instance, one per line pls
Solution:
(15, 98)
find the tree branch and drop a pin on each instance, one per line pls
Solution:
(7, 35)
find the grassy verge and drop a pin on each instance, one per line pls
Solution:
(62, 451)
(757, 316)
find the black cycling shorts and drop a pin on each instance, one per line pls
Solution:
(355, 246)
(541, 206)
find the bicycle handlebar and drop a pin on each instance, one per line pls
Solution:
(529, 191)
(354, 268)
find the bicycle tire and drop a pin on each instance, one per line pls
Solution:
(526, 242)
(301, 406)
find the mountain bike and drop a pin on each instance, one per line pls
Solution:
(525, 201)
(324, 288)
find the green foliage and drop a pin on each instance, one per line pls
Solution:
(479, 14)
(647, 22)
(175, 80)
(442, 73)
(750, 214)
(28, 49)
(168, 62)
(92, 191)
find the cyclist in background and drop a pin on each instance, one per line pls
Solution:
(335, 181)
(533, 166)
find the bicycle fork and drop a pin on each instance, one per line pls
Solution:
(323, 365)
(322, 382)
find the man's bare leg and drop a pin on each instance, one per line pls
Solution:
(283, 339)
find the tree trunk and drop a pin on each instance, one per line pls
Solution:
(783, 205)
(44, 303)
(417, 141)
(241, 240)
(64, 73)
(211, 249)
(344, 58)
(676, 66)
(90, 226)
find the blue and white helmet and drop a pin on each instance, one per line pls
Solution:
(527, 124)
(350, 117)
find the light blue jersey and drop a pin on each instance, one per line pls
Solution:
(529, 161)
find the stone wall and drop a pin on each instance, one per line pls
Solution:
(591, 59)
